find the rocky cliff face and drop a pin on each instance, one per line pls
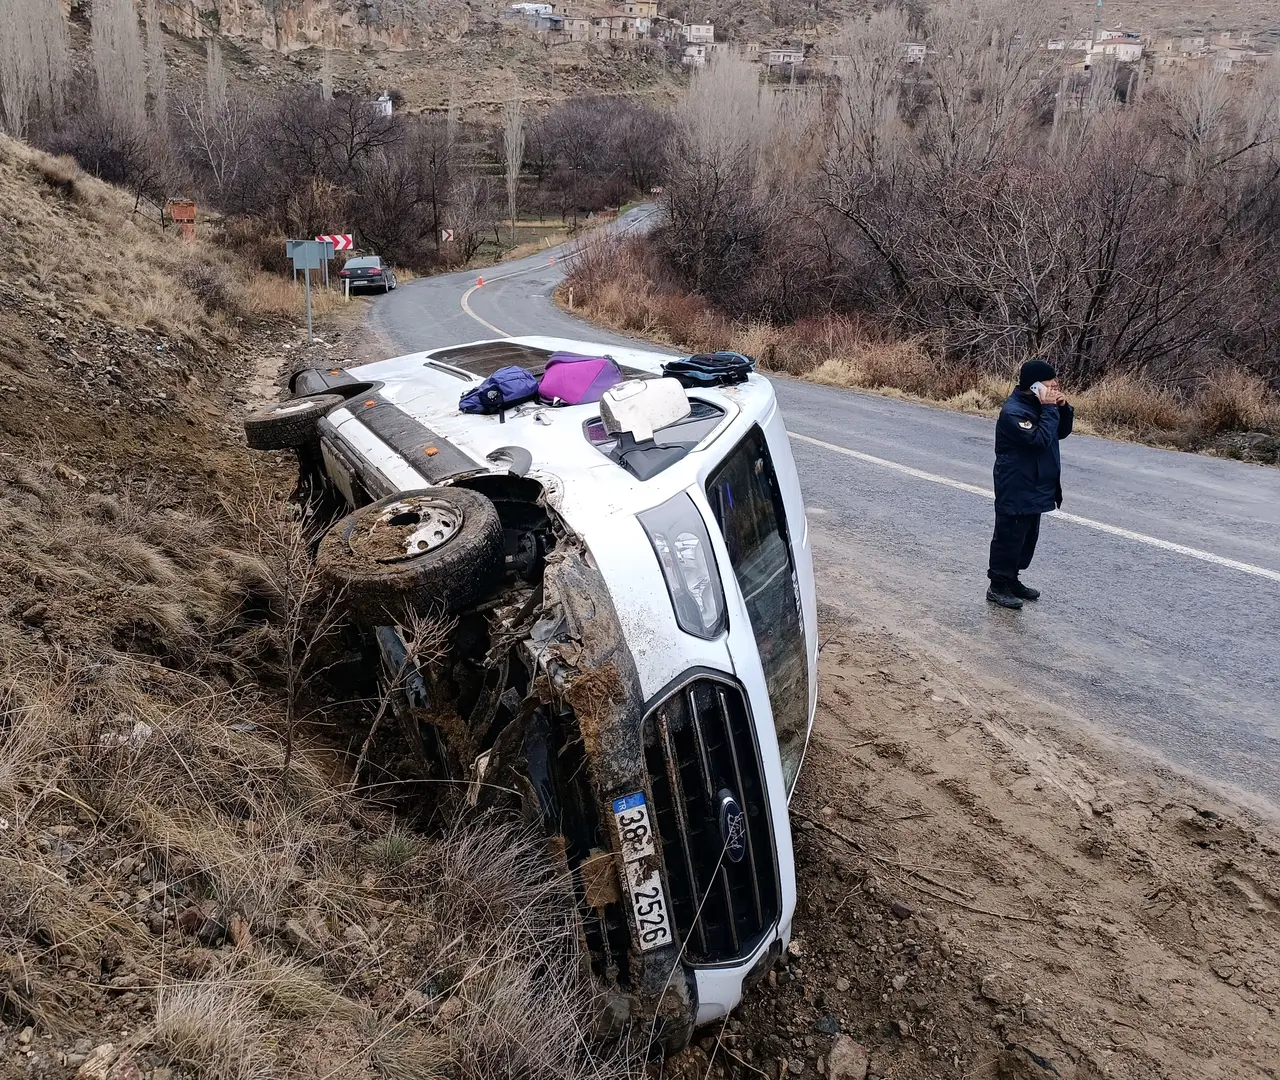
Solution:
(288, 26)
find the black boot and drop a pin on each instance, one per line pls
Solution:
(1023, 592)
(1001, 594)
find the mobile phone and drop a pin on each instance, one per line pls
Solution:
(1037, 388)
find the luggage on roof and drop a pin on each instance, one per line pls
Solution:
(710, 369)
(572, 379)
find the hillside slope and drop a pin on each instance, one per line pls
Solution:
(188, 886)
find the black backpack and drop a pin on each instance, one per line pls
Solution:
(710, 369)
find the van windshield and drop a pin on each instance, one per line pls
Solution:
(744, 496)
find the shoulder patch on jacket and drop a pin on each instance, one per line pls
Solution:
(1026, 424)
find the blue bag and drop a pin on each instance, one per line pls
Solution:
(506, 387)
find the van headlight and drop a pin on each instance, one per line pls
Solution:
(683, 546)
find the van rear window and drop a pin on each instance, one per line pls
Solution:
(744, 496)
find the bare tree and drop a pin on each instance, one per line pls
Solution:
(157, 72)
(725, 122)
(215, 75)
(867, 131)
(118, 61)
(1201, 117)
(513, 152)
(34, 62)
(220, 138)
(451, 125)
(326, 75)
(987, 69)
(470, 213)
(306, 612)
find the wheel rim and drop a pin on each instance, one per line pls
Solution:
(407, 529)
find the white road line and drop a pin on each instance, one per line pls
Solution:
(1075, 519)
(483, 322)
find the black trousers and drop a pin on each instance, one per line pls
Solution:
(1012, 546)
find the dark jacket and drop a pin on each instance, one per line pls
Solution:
(1028, 471)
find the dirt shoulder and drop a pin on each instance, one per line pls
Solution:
(985, 892)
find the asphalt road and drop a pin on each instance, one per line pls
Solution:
(1161, 579)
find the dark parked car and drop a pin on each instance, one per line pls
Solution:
(368, 272)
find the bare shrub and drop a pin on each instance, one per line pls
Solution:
(1235, 400)
(114, 148)
(905, 366)
(261, 248)
(1126, 403)
(211, 284)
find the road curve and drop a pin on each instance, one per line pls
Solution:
(1161, 579)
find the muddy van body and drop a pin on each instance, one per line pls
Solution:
(635, 644)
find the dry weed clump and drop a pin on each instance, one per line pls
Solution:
(169, 870)
(1123, 403)
(1237, 401)
(88, 567)
(213, 1031)
(271, 296)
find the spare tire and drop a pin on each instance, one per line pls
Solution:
(287, 424)
(436, 549)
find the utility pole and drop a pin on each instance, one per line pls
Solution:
(1097, 25)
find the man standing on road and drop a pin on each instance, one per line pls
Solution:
(1028, 476)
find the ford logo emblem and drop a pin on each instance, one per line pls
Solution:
(733, 827)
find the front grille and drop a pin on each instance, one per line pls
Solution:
(698, 744)
(558, 770)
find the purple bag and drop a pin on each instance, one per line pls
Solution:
(570, 379)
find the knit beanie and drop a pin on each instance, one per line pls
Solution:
(1034, 371)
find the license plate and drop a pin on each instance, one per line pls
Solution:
(642, 881)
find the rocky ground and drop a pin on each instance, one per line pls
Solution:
(986, 890)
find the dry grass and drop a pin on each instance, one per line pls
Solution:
(265, 295)
(1238, 401)
(551, 239)
(1122, 403)
(81, 243)
(621, 284)
(212, 1031)
(173, 880)
(267, 921)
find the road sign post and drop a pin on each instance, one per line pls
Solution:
(310, 335)
(306, 255)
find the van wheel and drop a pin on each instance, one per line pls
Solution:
(287, 424)
(437, 549)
